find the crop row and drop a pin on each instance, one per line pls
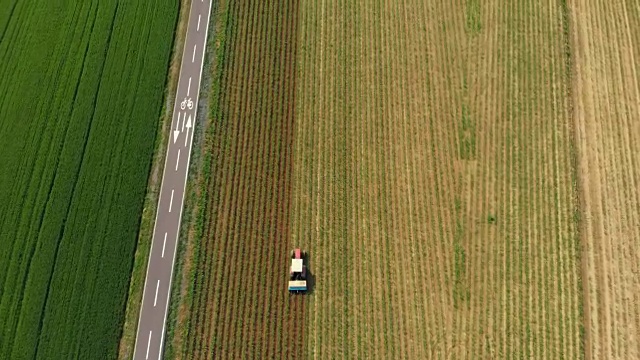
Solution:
(606, 37)
(433, 180)
(82, 86)
(240, 301)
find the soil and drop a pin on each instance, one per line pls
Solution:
(242, 308)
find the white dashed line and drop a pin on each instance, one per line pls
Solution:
(155, 300)
(147, 315)
(164, 244)
(148, 344)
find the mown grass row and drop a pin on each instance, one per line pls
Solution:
(603, 53)
(455, 153)
(82, 89)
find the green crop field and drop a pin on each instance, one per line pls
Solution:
(81, 91)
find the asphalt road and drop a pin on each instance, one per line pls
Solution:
(157, 287)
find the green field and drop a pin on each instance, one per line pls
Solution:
(81, 92)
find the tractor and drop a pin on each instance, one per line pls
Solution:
(298, 272)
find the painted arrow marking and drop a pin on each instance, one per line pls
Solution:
(176, 132)
(188, 127)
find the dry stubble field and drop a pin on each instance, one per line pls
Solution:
(606, 39)
(433, 181)
(463, 176)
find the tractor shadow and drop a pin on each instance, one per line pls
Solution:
(311, 278)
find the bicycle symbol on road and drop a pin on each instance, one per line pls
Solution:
(186, 103)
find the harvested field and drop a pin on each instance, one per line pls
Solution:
(462, 175)
(240, 306)
(433, 180)
(606, 39)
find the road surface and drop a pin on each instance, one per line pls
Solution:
(157, 287)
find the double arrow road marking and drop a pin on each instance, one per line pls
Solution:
(155, 299)
(177, 131)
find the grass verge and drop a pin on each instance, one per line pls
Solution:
(193, 222)
(136, 284)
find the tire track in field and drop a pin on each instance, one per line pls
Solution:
(331, 173)
(563, 100)
(300, 179)
(297, 309)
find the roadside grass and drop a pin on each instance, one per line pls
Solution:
(195, 205)
(147, 220)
